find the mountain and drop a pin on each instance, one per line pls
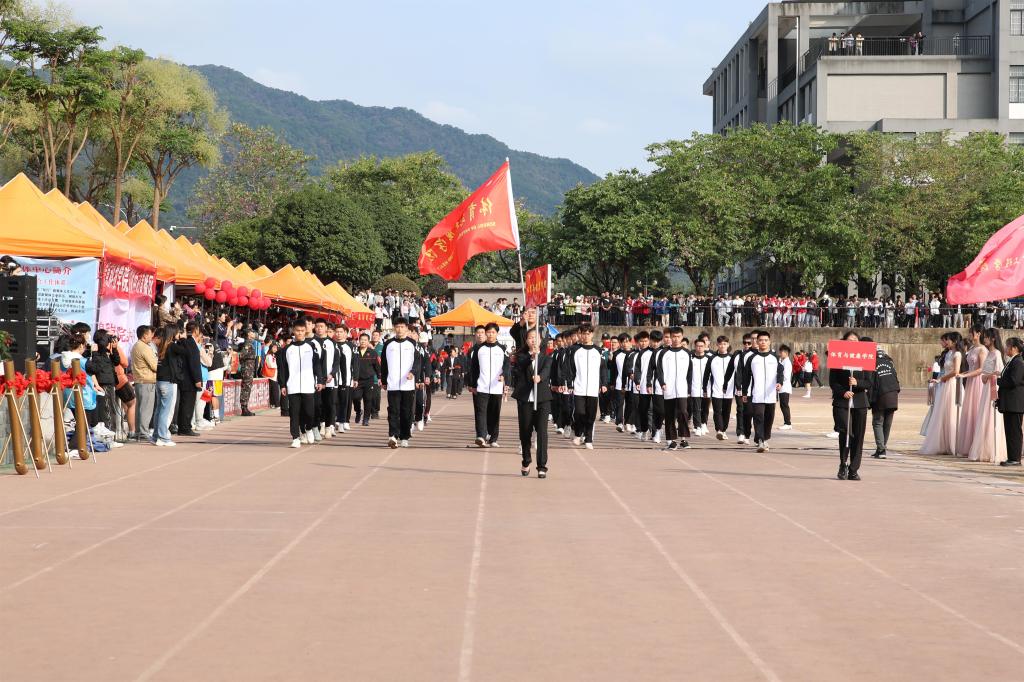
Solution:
(338, 129)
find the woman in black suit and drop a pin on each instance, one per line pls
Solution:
(1011, 401)
(532, 391)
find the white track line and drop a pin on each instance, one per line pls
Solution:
(704, 599)
(472, 589)
(143, 524)
(158, 665)
(865, 562)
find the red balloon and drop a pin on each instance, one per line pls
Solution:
(221, 297)
(255, 293)
(267, 303)
(226, 285)
(232, 300)
(243, 291)
(200, 287)
(255, 303)
(210, 294)
(243, 301)
(211, 283)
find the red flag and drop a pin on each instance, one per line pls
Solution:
(538, 286)
(996, 273)
(485, 221)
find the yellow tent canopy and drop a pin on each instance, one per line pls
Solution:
(262, 271)
(115, 242)
(185, 270)
(468, 314)
(31, 226)
(289, 284)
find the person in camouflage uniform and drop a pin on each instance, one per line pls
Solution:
(247, 368)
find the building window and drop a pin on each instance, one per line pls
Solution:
(1016, 138)
(1017, 22)
(1016, 84)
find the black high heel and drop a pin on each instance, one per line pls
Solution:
(525, 471)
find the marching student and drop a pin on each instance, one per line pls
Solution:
(366, 376)
(567, 407)
(302, 376)
(700, 401)
(479, 337)
(428, 366)
(532, 392)
(453, 368)
(487, 371)
(346, 380)
(400, 365)
(588, 377)
(719, 384)
(642, 408)
(620, 381)
(556, 383)
(744, 415)
(609, 398)
(629, 384)
(787, 388)
(327, 409)
(850, 396)
(660, 345)
(762, 379)
(673, 374)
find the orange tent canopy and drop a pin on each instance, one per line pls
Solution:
(289, 285)
(350, 303)
(245, 273)
(185, 270)
(468, 314)
(115, 243)
(31, 226)
(262, 271)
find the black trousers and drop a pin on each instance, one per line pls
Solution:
(454, 385)
(584, 415)
(784, 406)
(657, 412)
(487, 410)
(676, 417)
(763, 416)
(721, 407)
(881, 425)
(618, 406)
(699, 409)
(604, 400)
(186, 407)
(566, 409)
(301, 414)
(629, 411)
(851, 425)
(641, 418)
(1014, 441)
(534, 421)
(400, 405)
(326, 408)
(361, 400)
(422, 403)
(275, 392)
(744, 418)
(343, 400)
(375, 392)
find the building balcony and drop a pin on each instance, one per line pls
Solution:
(895, 46)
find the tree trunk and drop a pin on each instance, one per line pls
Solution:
(118, 182)
(625, 281)
(155, 217)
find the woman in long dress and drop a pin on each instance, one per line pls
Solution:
(989, 439)
(973, 393)
(939, 428)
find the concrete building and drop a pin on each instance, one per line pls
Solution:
(967, 74)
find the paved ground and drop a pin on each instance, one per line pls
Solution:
(234, 558)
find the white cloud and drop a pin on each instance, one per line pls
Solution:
(450, 114)
(595, 126)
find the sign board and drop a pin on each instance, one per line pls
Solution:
(538, 286)
(852, 355)
(65, 288)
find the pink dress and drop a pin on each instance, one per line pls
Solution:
(939, 428)
(989, 438)
(973, 396)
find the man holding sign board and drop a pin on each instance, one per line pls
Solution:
(851, 367)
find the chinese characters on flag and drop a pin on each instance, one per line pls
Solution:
(852, 355)
(485, 221)
(996, 273)
(538, 286)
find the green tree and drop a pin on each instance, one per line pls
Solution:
(191, 127)
(259, 168)
(325, 231)
(238, 241)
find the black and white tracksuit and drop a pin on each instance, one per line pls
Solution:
(488, 369)
(744, 416)
(700, 400)
(299, 374)
(762, 373)
(346, 375)
(588, 374)
(400, 365)
(674, 377)
(329, 356)
(643, 373)
(718, 383)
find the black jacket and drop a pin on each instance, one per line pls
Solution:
(170, 366)
(191, 369)
(522, 377)
(839, 382)
(367, 367)
(1011, 386)
(886, 386)
(101, 366)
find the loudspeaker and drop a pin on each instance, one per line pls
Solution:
(23, 341)
(18, 315)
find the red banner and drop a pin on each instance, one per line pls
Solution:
(120, 279)
(538, 286)
(852, 355)
(996, 273)
(359, 320)
(485, 221)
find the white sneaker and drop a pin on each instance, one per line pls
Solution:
(741, 440)
(296, 443)
(588, 446)
(834, 434)
(657, 436)
(322, 431)
(302, 438)
(165, 443)
(630, 428)
(315, 435)
(577, 441)
(495, 444)
(607, 420)
(338, 427)
(115, 444)
(719, 435)
(204, 425)
(551, 418)
(761, 447)
(419, 425)
(559, 430)
(392, 442)
(346, 426)
(329, 433)
(807, 395)
(481, 443)
(786, 427)
(405, 443)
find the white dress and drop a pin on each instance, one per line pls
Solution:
(989, 442)
(939, 428)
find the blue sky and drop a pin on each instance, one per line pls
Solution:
(591, 81)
